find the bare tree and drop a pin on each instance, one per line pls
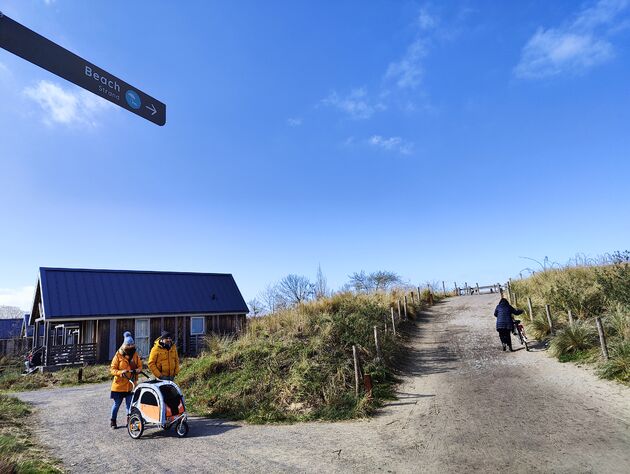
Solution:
(375, 281)
(255, 307)
(360, 281)
(382, 280)
(295, 288)
(272, 299)
(321, 284)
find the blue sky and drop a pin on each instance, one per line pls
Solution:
(441, 140)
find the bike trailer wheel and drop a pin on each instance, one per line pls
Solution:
(135, 425)
(182, 429)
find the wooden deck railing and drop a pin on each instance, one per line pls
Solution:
(72, 354)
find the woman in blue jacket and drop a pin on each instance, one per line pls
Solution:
(505, 324)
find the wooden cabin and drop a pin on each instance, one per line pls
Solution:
(85, 312)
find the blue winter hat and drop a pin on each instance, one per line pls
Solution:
(126, 333)
(128, 340)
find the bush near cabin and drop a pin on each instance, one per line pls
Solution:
(296, 364)
(588, 292)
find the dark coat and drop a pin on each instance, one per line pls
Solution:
(503, 313)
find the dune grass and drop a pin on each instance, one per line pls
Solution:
(296, 364)
(11, 378)
(588, 292)
(18, 452)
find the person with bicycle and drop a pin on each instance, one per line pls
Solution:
(505, 323)
(125, 367)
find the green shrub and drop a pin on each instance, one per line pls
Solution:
(538, 328)
(578, 337)
(617, 322)
(618, 366)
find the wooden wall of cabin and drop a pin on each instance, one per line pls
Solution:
(102, 340)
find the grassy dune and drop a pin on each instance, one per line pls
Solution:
(18, 453)
(589, 292)
(296, 364)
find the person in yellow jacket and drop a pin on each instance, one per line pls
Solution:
(125, 367)
(163, 360)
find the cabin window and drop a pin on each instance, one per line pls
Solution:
(197, 326)
(142, 336)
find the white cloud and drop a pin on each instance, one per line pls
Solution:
(426, 21)
(20, 297)
(396, 144)
(356, 104)
(574, 47)
(67, 107)
(294, 122)
(407, 73)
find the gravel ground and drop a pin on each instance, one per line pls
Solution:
(464, 406)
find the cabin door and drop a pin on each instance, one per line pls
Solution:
(142, 337)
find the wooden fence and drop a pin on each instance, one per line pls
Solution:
(16, 347)
(72, 354)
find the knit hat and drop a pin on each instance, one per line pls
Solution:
(165, 335)
(126, 333)
(128, 340)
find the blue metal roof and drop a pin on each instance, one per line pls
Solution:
(10, 328)
(79, 293)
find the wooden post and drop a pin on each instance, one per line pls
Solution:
(466, 287)
(355, 358)
(46, 337)
(379, 355)
(456, 289)
(405, 308)
(477, 288)
(443, 288)
(515, 299)
(548, 311)
(419, 293)
(367, 383)
(399, 315)
(80, 375)
(393, 322)
(570, 317)
(529, 306)
(602, 337)
(413, 301)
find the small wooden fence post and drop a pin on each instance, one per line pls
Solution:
(379, 355)
(443, 289)
(355, 357)
(399, 313)
(80, 375)
(548, 311)
(393, 321)
(602, 337)
(405, 307)
(570, 313)
(456, 289)
(478, 288)
(529, 306)
(413, 301)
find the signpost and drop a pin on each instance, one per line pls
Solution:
(33, 47)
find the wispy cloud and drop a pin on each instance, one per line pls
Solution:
(294, 122)
(407, 72)
(574, 47)
(21, 297)
(395, 144)
(356, 104)
(63, 106)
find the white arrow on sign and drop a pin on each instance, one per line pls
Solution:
(152, 109)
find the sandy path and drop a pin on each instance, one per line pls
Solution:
(465, 406)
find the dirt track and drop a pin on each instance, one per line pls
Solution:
(465, 406)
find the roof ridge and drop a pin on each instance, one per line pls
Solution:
(105, 270)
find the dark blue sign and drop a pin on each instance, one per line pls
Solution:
(33, 47)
